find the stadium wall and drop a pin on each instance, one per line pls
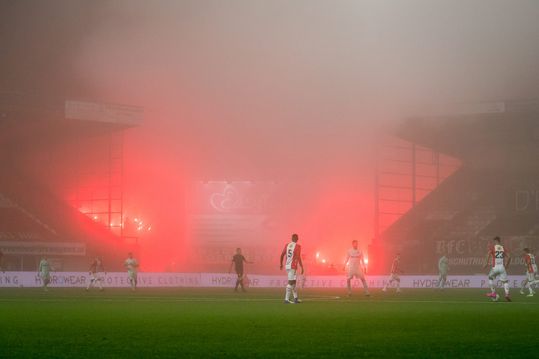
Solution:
(203, 280)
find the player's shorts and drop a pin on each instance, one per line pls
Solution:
(355, 272)
(132, 275)
(394, 276)
(291, 274)
(498, 271)
(239, 273)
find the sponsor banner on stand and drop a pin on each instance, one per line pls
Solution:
(43, 248)
(225, 280)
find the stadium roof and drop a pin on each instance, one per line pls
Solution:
(464, 129)
(39, 119)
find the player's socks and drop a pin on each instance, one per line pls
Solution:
(349, 286)
(491, 284)
(295, 292)
(506, 289)
(365, 286)
(288, 290)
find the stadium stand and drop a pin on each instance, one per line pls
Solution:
(34, 217)
(497, 195)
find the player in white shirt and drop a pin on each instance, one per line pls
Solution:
(355, 267)
(292, 252)
(132, 268)
(45, 273)
(443, 268)
(498, 257)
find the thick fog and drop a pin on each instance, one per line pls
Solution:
(297, 92)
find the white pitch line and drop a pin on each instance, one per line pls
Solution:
(228, 299)
(161, 299)
(442, 302)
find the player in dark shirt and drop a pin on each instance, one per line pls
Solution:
(237, 261)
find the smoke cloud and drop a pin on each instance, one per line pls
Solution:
(296, 92)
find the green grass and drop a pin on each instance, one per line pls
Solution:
(180, 323)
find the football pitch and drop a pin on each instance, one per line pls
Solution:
(217, 323)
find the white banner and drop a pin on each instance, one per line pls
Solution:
(201, 280)
(43, 248)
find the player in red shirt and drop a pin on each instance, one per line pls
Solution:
(498, 257)
(97, 274)
(395, 271)
(292, 252)
(531, 272)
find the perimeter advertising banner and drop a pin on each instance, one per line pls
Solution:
(211, 280)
